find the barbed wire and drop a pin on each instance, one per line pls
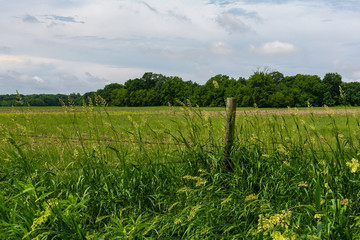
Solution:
(262, 145)
(112, 166)
(97, 140)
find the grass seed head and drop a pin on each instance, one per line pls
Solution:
(193, 212)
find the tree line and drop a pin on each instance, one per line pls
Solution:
(263, 88)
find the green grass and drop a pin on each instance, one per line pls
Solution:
(158, 173)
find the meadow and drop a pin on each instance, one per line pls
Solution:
(98, 172)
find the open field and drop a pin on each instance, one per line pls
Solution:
(148, 173)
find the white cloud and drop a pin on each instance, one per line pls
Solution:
(38, 79)
(59, 41)
(345, 65)
(232, 24)
(221, 48)
(14, 76)
(356, 76)
(275, 47)
(30, 19)
(351, 70)
(59, 76)
(5, 50)
(238, 11)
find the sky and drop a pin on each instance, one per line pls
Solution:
(78, 46)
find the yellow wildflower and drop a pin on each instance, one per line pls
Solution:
(353, 165)
(44, 215)
(251, 197)
(283, 150)
(303, 184)
(285, 236)
(268, 222)
(76, 153)
(328, 187)
(177, 221)
(344, 201)
(94, 147)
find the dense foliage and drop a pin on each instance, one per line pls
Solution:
(296, 175)
(265, 89)
(39, 99)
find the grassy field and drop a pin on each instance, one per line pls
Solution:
(158, 173)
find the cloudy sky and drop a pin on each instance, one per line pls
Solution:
(67, 46)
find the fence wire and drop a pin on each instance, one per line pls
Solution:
(284, 144)
(118, 166)
(98, 140)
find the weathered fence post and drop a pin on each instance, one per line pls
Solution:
(229, 131)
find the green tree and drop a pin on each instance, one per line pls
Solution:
(152, 98)
(240, 91)
(87, 96)
(133, 85)
(278, 99)
(332, 81)
(106, 93)
(173, 89)
(137, 98)
(198, 96)
(277, 77)
(260, 86)
(120, 97)
(352, 92)
(328, 100)
(215, 89)
(153, 80)
(35, 100)
(307, 88)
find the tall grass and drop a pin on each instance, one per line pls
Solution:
(295, 176)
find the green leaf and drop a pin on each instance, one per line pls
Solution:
(319, 228)
(317, 194)
(43, 196)
(311, 208)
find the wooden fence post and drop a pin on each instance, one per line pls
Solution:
(229, 132)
